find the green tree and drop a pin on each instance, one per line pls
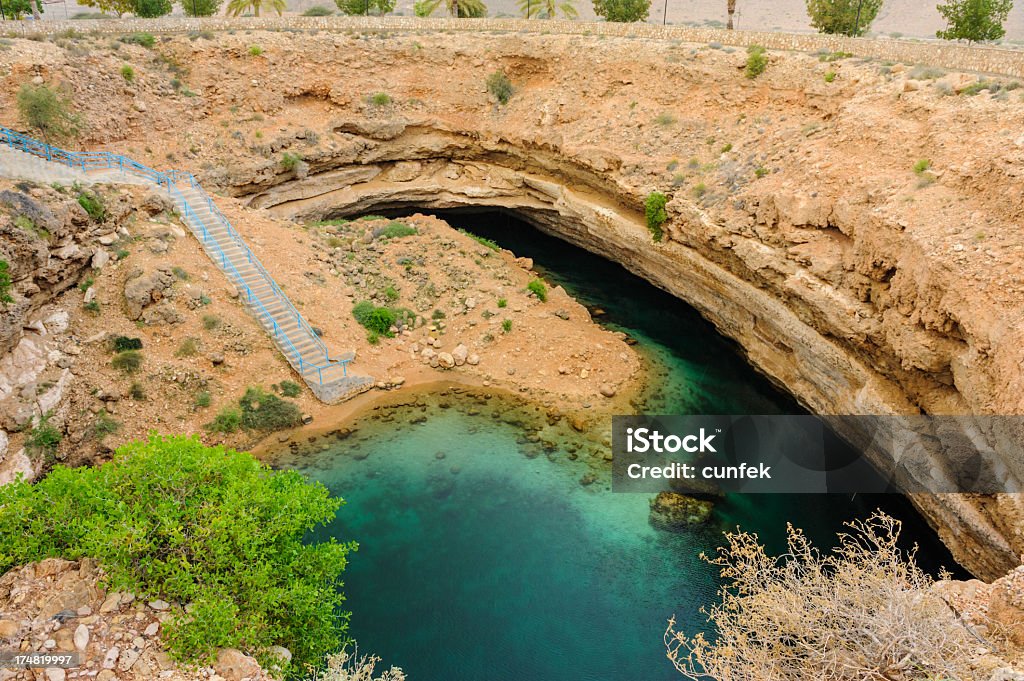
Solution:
(118, 7)
(47, 112)
(16, 9)
(974, 20)
(843, 17)
(239, 7)
(546, 9)
(150, 9)
(655, 213)
(192, 524)
(200, 8)
(5, 283)
(624, 11)
(455, 8)
(376, 7)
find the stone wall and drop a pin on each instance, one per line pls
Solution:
(995, 60)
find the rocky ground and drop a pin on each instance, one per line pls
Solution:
(56, 606)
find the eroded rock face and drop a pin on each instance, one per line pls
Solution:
(143, 289)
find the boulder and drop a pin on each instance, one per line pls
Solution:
(460, 354)
(143, 289)
(671, 510)
(234, 665)
(445, 360)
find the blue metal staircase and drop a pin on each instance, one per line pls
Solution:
(326, 375)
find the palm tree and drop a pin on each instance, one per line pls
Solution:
(732, 10)
(545, 9)
(456, 8)
(237, 7)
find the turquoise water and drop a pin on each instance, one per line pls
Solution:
(482, 556)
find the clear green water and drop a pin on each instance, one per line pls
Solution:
(480, 563)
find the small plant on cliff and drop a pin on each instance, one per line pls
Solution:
(5, 283)
(863, 611)
(922, 166)
(506, 325)
(655, 214)
(394, 230)
(844, 17)
(290, 161)
(757, 61)
(974, 20)
(92, 205)
(207, 526)
(227, 420)
(830, 76)
(290, 388)
(47, 112)
(144, 39)
(537, 288)
(255, 50)
(128, 73)
(380, 99)
(500, 86)
(483, 241)
(42, 441)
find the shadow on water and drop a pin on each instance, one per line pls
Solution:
(482, 560)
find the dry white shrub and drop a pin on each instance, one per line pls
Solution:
(346, 666)
(864, 612)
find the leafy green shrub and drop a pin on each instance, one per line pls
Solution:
(380, 99)
(537, 288)
(506, 325)
(144, 39)
(655, 214)
(830, 76)
(203, 400)
(209, 526)
(373, 318)
(128, 73)
(122, 343)
(366, 7)
(502, 302)
(93, 307)
(290, 161)
(391, 293)
(227, 420)
(290, 388)
(150, 9)
(201, 8)
(394, 230)
(128, 361)
(922, 166)
(42, 441)
(5, 283)
(266, 411)
(255, 50)
(757, 61)
(47, 112)
(760, 172)
(318, 11)
(483, 241)
(500, 86)
(211, 322)
(625, 11)
(93, 205)
(85, 284)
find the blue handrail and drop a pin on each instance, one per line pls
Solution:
(96, 160)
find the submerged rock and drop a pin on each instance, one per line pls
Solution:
(671, 510)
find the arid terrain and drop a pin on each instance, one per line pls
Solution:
(853, 224)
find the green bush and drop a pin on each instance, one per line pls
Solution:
(227, 420)
(203, 400)
(122, 343)
(318, 11)
(922, 166)
(143, 39)
(255, 50)
(208, 526)
(201, 8)
(128, 361)
(391, 293)
(394, 230)
(93, 205)
(290, 161)
(211, 322)
(373, 318)
(500, 86)
(188, 348)
(625, 11)
(757, 61)
(150, 9)
(380, 99)
(502, 302)
(537, 288)
(366, 7)
(290, 388)
(265, 411)
(47, 112)
(506, 325)
(655, 214)
(5, 283)
(830, 76)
